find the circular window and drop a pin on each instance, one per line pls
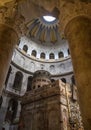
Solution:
(49, 18)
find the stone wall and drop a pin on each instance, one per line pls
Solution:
(44, 108)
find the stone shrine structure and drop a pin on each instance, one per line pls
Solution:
(48, 106)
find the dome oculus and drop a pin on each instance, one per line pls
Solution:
(49, 18)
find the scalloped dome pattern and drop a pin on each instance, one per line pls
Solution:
(43, 31)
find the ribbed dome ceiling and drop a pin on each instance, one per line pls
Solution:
(43, 31)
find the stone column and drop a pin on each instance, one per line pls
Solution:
(8, 40)
(78, 33)
(75, 19)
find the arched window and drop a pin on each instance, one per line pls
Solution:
(60, 54)
(8, 74)
(73, 89)
(29, 83)
(51, 56)
(1, 100)
(18, 81)
(11, 110)
(63, 80)
(18, 42)
(25, 48)
(68, 52)
(34, 53)
(73, 79)
(42, 55)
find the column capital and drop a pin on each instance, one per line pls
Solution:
(10, 16)
(69, 9)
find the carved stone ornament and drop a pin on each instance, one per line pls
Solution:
(70, 9)
(9, 15)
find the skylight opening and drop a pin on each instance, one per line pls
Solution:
(49, 18)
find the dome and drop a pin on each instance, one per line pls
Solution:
(43, 31)
(43, 48)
